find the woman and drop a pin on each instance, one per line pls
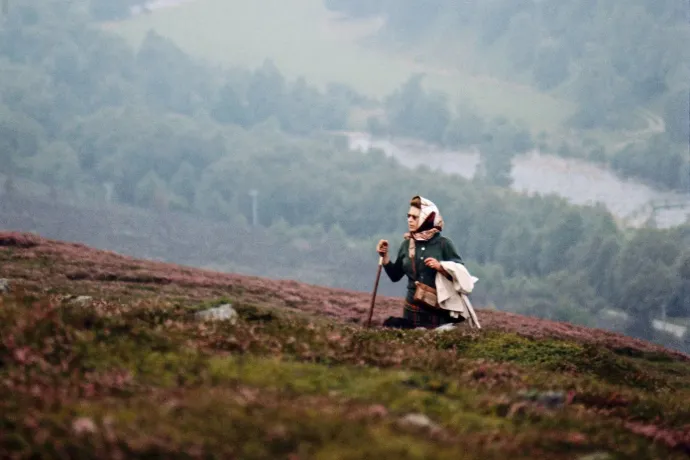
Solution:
(424, 245)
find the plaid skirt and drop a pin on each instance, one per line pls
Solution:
(427, 317)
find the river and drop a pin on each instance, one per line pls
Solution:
(578, 181)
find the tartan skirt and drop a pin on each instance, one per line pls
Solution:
(421, 316)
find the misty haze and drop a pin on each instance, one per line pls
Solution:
(283, 139)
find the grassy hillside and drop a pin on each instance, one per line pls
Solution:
(129, 371)
(304, 39)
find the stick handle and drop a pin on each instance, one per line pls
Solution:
(373, 294)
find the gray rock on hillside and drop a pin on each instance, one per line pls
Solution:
(223, 312)
(79, 301)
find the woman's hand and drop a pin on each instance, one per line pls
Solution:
(432, 263)
(382, 249)
(436, 265)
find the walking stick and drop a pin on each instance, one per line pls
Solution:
(373, 295)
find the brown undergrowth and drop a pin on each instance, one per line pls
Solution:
(130, 372)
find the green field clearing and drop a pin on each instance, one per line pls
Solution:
(304, 39)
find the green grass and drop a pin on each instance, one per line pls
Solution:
(141, 377)
(134, 375)
(302, 39)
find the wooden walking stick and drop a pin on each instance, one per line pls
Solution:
(373, 295)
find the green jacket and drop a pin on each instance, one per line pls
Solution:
(439, 247)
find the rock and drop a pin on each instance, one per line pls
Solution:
(417, 421)
(80, 301)
(293, 300)
(4, 286)
(552, 399)
(548, 399)
(224, 312)
(84, 425)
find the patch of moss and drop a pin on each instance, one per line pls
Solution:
(278, 407)
(223, 424)
(548, 353)
(391, 388)
(287, 383)
(560, 355)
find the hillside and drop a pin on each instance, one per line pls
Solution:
(85, 117)
(129, 372)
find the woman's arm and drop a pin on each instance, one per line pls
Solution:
(450, 253)
(394, 270)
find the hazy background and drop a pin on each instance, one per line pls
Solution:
(553, 135)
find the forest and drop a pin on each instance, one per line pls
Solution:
(610, 58)
(80, 109)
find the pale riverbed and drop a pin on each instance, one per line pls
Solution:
(578, 181)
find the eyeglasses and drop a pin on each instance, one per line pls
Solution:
(412, 216)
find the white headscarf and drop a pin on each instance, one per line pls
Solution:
(429, 215)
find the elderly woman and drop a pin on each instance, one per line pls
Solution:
(419, 257)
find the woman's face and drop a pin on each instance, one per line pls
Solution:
(413, 218)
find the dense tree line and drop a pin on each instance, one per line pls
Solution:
(605, 64)
(621, 53)
(608, 57)
(82, 109)
(412, 111)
